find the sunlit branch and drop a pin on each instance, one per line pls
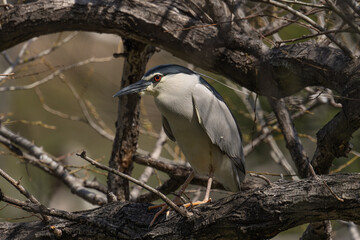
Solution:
(86, 113)
(311, 22)
(55, 74)
(22, 190)
(46, 52)
(54, 111)
(131, 179)
(18, 58)
(57, 170)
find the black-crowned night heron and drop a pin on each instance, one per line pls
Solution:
(197, 118)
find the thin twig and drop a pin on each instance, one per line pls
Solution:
(55, 74)
(131, 179)
(313, 5)
(311, 22)
(40, 158)
(85, 111)
(339, 12)
(135, 192)
(6, 74)
(311, 36)
(46, 52)
(22, 190)
(18, 58)
(54, 111)
(261, 177)
(331, 191)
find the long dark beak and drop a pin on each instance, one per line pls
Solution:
(133, 88)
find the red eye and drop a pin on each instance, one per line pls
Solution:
(157, 78)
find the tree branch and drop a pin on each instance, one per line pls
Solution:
(255, 214)
(293, 143)
(241, 57)
(45, 162)
(127, 123)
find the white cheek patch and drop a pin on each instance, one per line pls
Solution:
(149, 90)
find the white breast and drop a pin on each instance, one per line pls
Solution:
(176, 104)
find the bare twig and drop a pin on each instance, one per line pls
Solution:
(341, 14)
(18, 58)
(54, 111)
(261, 177)
(135, 192)
(55, 74)
(307, 4)
(39, 157)
(291, 137)
(311, 22)
(22, 190)
(147, 187)
(6, 74)
(312, 36)
(86, 113)
(169, 186)
(46, 52)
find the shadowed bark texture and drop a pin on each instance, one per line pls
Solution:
(256, 214)
(127, 125)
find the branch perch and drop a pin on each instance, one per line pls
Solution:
(127, 177)
(255, 214)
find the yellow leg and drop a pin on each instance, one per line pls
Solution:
(208, 187)
(176, 200)
(207, 198)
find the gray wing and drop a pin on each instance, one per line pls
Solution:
(215, 117)
(167, 128)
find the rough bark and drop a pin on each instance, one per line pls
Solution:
(333, 139)
(241, 56)
(238, 55)
(292, 140)
(127, 124)
(256, 214)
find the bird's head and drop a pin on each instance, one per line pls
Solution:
(153, 79)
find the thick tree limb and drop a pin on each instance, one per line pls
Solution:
(257, 214)
(240, 56)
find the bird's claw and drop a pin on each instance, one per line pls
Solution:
(164, 206)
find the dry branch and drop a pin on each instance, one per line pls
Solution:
(255, 214)
(240, 56)
(127, 123)
(44, 161)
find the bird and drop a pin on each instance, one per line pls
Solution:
(196, 117)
